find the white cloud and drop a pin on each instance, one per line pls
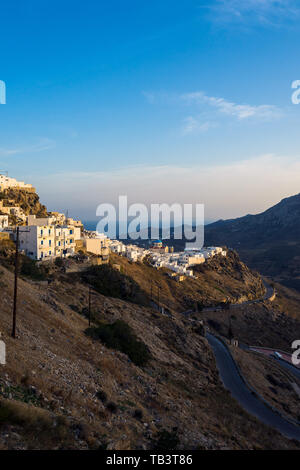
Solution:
(192, 125)
(240, 111)
(40, 146)
(268, 12)
(212, 109)
(227, 190)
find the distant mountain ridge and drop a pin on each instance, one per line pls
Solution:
(269, 241)
(274, 221)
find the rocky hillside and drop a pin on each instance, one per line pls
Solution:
(218, 280)
(66, 385)
(29, 202)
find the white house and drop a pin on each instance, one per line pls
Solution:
(42, 242)
(38, 242)
(64, 241)
(6, 182)
(117, 247)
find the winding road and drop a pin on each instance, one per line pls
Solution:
(233, 381)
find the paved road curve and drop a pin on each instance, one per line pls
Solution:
(234, 383)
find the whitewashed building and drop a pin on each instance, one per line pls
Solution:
(6, 183)
(37, 242)
(42, 242)
(64, 241)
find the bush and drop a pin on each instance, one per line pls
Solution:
(214, 324)
(75, 308)
(109, 282)
(112, 407)
(138, 414)
(166, 440)
(52, 431)
(120, 336)
(200, 330)
(30, 269)
(59, 262)
(101, 395)
(12, 412)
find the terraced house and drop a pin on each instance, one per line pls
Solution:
(43, 239)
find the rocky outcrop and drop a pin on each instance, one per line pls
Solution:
(28, 201)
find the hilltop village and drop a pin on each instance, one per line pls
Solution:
(56, 235)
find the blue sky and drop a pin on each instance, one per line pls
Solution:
(166, 101)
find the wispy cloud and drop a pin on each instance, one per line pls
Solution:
(239, 111)
(192, 125)
(40, 146)
(208, 112)
(268, 12)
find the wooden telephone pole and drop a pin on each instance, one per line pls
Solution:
(158, 292)
(89, 306)
(16, 286)
(91, 292)
(14, 326)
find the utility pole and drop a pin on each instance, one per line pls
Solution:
(158, 289)
(89, 306)
(16, 285)
(14, 327)
(91, 292)
(151, 295)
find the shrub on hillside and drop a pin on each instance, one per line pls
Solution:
(59, 262)
(7, 248)
(110, 282)
(138, 414)
(112, 407)
(30, 269)
(166, 440)
(120, 336)
(101, 395)
(214, 324)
